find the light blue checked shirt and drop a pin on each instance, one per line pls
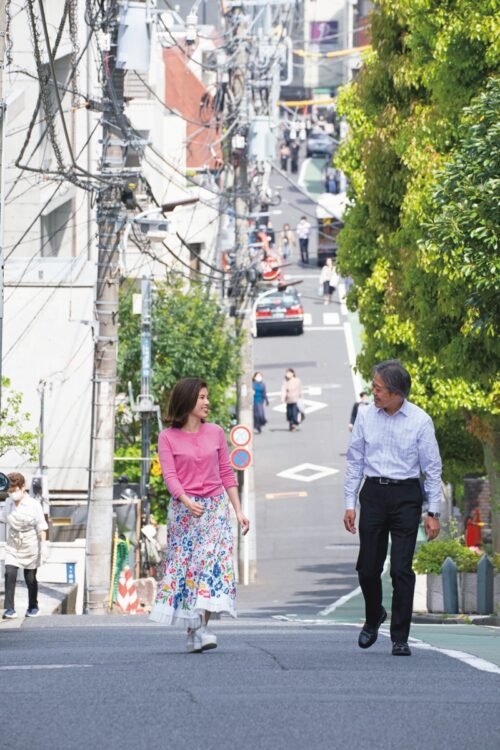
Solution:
(398, 446)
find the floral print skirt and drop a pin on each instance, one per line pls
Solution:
(198, 575)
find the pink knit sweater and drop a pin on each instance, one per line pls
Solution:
(195, 463)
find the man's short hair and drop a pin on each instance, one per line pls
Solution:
(363, 393)
(395, 377)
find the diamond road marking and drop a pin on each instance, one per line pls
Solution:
(308, 319)
(313, 390)
(308, 407)
(331, 319)
(307, 472)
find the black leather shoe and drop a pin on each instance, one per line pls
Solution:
(401, 649)
(369, 634)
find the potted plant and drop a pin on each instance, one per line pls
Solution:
(429, 560)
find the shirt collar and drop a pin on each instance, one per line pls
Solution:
(403, 409)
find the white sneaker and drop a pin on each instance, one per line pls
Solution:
(204, 639)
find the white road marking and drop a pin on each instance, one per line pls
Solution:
(343, 599)
(313, 390)
(331, 319)
(470, 659)
(308, 406)
(324, 328)
(343, 305)
(307, 319)
(281, 495)
(319, 472)
(351, 354)
(45, 666)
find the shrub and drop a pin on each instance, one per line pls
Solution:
(431, 556)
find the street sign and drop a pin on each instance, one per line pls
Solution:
(4, 482)
(240, 436)
(240, 458)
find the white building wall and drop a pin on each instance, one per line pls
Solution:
(326, 19)
(47, 298)
(164, 166)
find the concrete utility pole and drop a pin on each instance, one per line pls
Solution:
(111, 218)
(3, 111)
(248, 544)
(145, 405)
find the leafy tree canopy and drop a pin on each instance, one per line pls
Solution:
(13, 432)
(421, 236)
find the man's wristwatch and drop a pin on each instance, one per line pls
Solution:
(433, 515)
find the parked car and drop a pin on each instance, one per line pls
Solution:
(320, 144)
(279, 311)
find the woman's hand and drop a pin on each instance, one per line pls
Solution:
(194, 508)
(243, 522)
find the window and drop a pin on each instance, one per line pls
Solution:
(56, 232)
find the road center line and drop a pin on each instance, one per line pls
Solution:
(45, 666)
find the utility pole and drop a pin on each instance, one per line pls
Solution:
(248, 543)
(111, 218)
(3, 111)
(145, 405)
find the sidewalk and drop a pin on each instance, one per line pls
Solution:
(53, 599)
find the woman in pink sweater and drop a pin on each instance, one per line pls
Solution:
(198, 575)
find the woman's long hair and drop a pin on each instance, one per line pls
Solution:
(183, 399)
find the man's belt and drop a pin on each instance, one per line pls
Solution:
(386, 480)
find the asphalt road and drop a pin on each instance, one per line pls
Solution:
(305, 558)
(272, 686)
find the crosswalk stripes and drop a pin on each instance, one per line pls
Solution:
(328, 319)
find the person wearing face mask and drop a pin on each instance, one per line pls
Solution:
(25, 546)
(259, 399)
(291, 394)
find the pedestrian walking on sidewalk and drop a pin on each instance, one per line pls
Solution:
(284, 156)
(328, 279)
(303, 232)
(361, 404)
(259, 400)
(392, 443)
(291, 394)
(25, 545)
(286, 241)
(294, 162)
(198, 578)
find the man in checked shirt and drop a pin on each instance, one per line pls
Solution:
(392, 444)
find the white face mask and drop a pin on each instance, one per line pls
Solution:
(17, 495)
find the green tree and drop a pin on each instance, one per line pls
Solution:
(13, 432)
(460, 259)
(191, 336)
(429, 59)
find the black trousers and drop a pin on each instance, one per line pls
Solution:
(10, 586)
(304, 249)
(395, 510)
